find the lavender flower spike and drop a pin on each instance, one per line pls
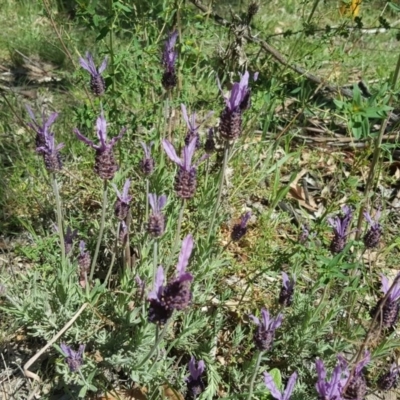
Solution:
(264, 335)
(389, 380)
(230, 126)
(177, 293)
(331, 390)
(97, 84)
(286, 294)
(373, 235)
(105, 165)
(51, 153)
(239, 230)
(340, 225)
(122, 206)
(156, 224)
(194, 382)
(270, 384)
(158, 312)
(357, 385)
(193, 127)
(390, 310)
(69, 237)
(185, 180)
(169, 79)
(42, 131)
(147, 163)
(74, 359)
(45, 142)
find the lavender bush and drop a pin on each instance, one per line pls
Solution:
(150, 298)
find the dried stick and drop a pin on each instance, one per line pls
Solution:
(32, 375)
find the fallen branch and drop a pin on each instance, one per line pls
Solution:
(275, 53)
(34, 376)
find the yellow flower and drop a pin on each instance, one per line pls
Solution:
(351, 8)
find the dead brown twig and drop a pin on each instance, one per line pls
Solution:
(34, 376)
(275, 53)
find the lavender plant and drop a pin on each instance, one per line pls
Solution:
(201, 316)
(195, 384)
(97, 83)
(74, 359)
(287, 393)
(156, 223)
(121, 206)
(373, 235)
(105, 165)
(287, 290)
(239, 230)
(340, 225)
(186, 178)
(169, 56)
(388, 309)
(389, 379)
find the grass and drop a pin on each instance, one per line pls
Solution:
(279, 169)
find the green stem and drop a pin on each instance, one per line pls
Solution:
(111, 34)
(253, 378)
(177, 236)
(169, 113)
(155, 259)
(312, 11)
(59, 217)
(114, 255)
(158, 339)
(221, 184)
(127, 250)
(147, 199)
(102, 223)
(377, 152)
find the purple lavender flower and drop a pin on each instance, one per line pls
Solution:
(389, 380)
(305, 233)
(332, 389)
(270, 384)
(340, 225)
(147, 163)
(156, 224)
(390, 310)
(193, 127)
(51, 154)
(45, 142)
(97, 84)
(122, 206)
(158, 312)
(42, 131)
(195, 384)
(209, 145)
(69, 237)
(169, 79)
(264, 335)
(230, 126)
(185, 179)
(239, 230)
(105, 165)
(141, 284)
(287, 289)
(177, 294)
(373, 235)
(74, 359)
(356, 385)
